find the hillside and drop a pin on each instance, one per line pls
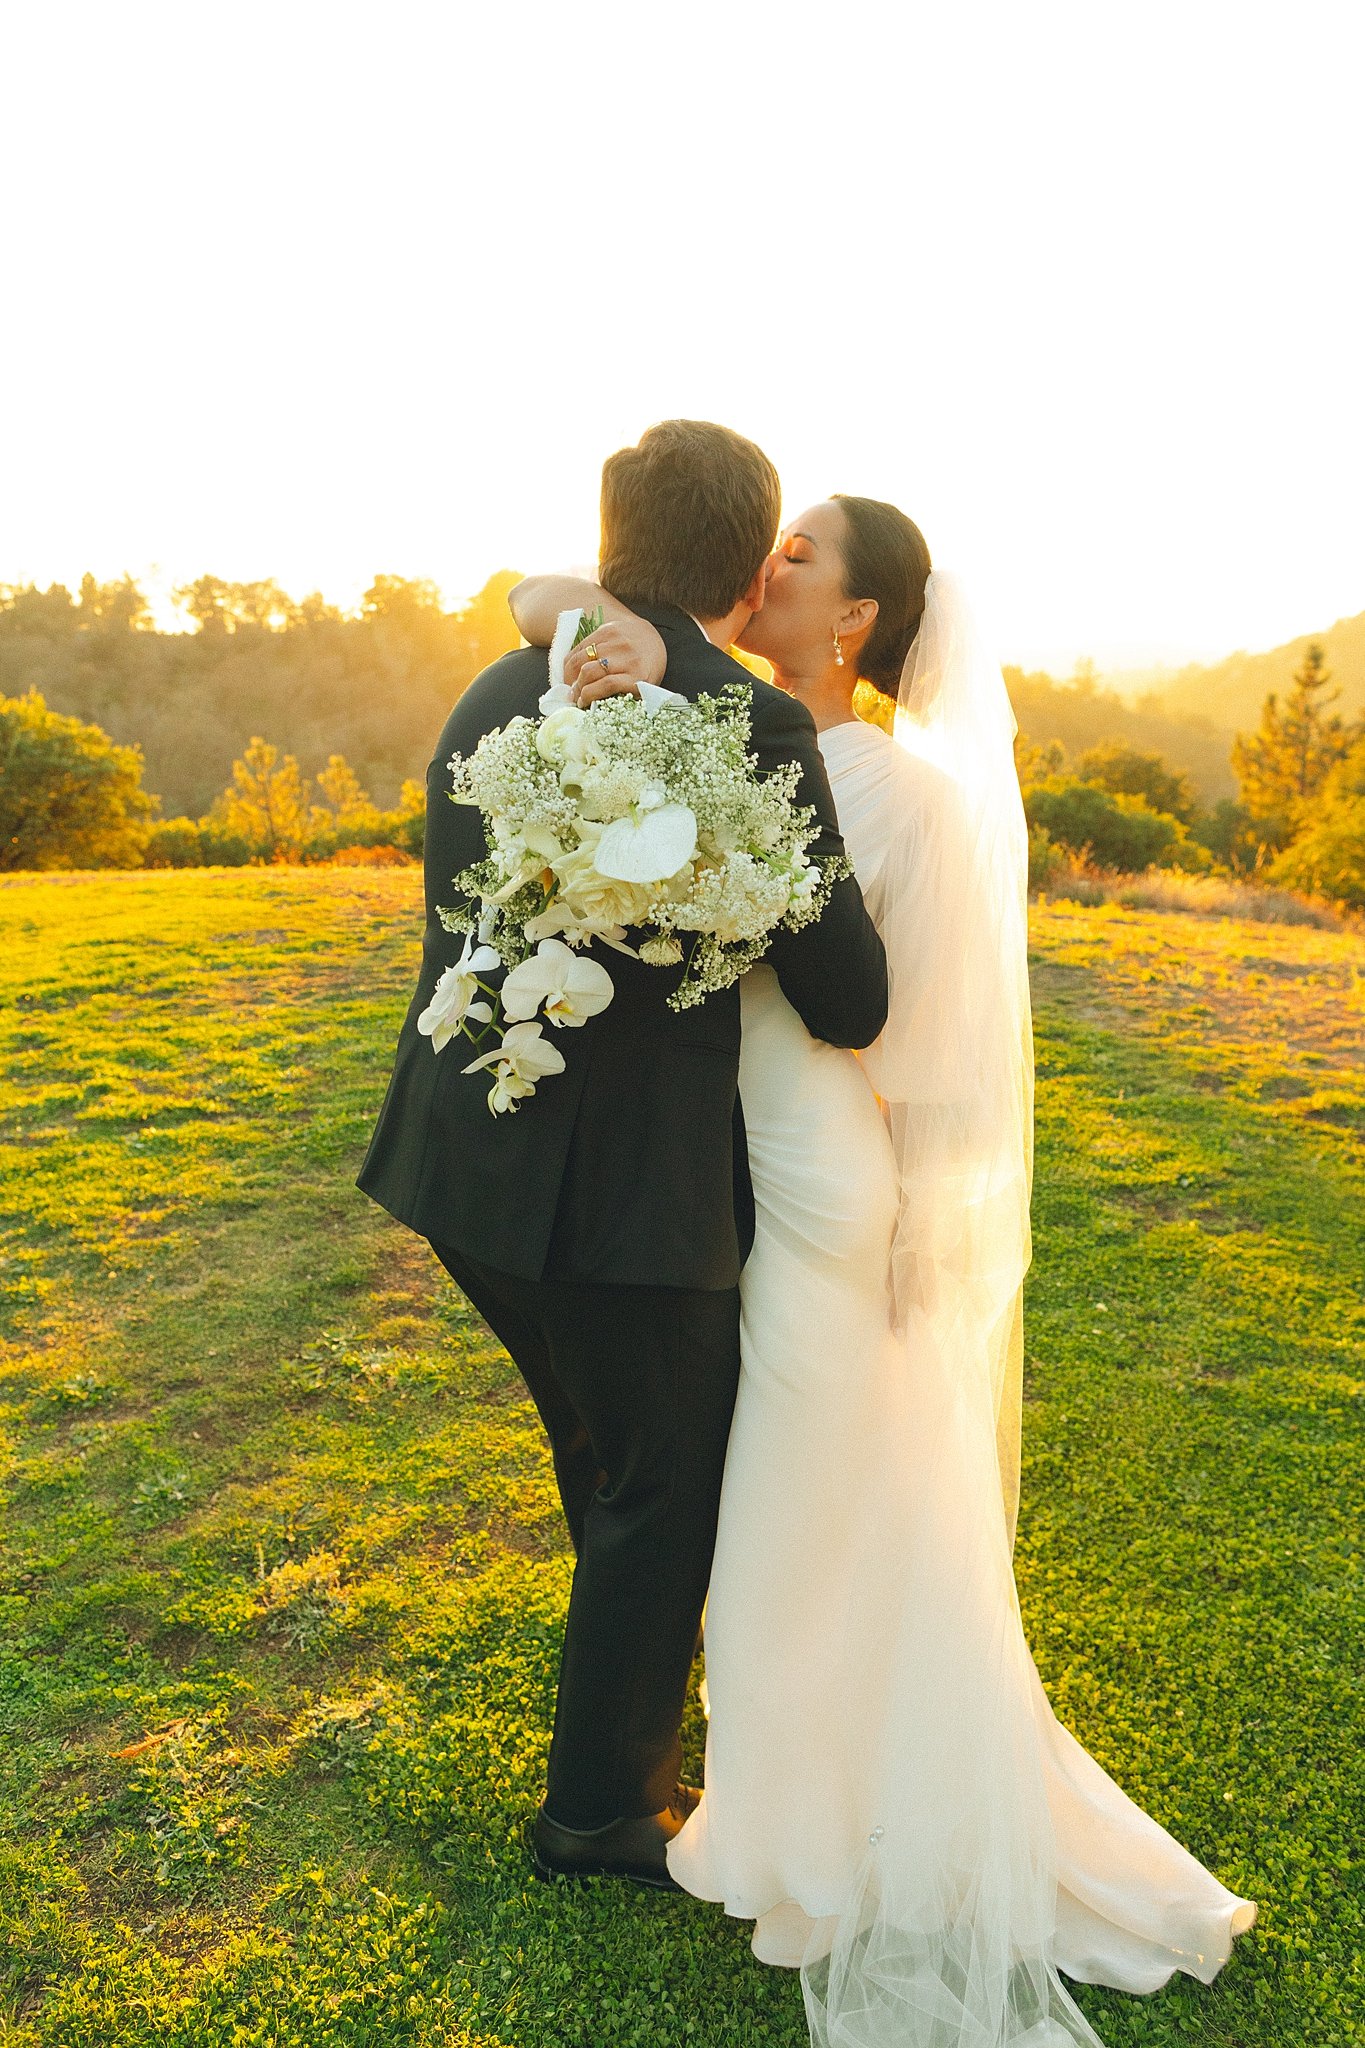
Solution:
(284, 1572)
(377, 686)
(1230, 693)
(1080, 714)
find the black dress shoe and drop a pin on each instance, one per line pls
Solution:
(633, 1849)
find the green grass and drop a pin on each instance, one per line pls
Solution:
(284, 1576)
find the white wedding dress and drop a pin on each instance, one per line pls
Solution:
(888, 1796)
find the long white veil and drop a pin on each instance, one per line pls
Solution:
(955, 1063)
(947, 1941)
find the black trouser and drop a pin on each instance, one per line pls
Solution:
(636, 1388)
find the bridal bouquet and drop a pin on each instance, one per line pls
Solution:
(639, 814)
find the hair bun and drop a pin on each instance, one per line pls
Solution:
(886, 557)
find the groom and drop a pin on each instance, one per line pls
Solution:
(600, 1230)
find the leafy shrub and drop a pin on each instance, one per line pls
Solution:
(1328, 856)
(1045, 858)
(69, 796)
(174, 843)
(1230, 836)
(1131, 771)
(368, 857)
(1114, 829)
(266, 817)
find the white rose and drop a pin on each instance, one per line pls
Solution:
(552, 735)
(565, 738)
(591, 897)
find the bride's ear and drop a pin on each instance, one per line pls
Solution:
(860, 618)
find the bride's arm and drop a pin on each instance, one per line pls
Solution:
(632, 649)
(536, 602)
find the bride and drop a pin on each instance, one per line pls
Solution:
(888, 1795)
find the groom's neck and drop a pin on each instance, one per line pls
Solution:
(724, 632)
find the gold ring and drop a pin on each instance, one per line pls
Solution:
(590, 651)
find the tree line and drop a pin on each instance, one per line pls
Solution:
(71, 786)
(374, 685)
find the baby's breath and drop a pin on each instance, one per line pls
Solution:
(549, 788)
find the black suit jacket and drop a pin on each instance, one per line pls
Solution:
(630, 1166)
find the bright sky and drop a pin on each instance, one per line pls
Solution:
(312, 289)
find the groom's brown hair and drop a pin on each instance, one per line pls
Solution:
(688, 516)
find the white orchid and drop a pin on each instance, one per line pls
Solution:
(570, 988)
(455, 997)
(524, 1057)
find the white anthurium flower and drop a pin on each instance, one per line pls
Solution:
(455, 996)
(649, 849)
(524, 1057)
(655, 697)
(570, 988)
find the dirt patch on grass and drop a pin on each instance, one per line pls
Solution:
(1278, 1009)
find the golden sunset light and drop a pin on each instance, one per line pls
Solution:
(314, 292)
(682, 1024)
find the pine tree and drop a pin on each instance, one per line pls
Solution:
(267, 802)
(1284, 764)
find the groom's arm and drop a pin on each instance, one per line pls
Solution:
(832, 972)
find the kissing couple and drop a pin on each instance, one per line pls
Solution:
(760, 1263)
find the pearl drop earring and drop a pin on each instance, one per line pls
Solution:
(838, 652)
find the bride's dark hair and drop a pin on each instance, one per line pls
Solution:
(886, 557)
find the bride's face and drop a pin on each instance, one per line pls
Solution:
(805, 598)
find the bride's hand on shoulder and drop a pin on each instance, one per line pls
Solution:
(623, 651)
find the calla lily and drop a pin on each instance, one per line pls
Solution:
(651, 848)
(455, 996)
(570, 988)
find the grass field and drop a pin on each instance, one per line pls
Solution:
(283, 1573)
